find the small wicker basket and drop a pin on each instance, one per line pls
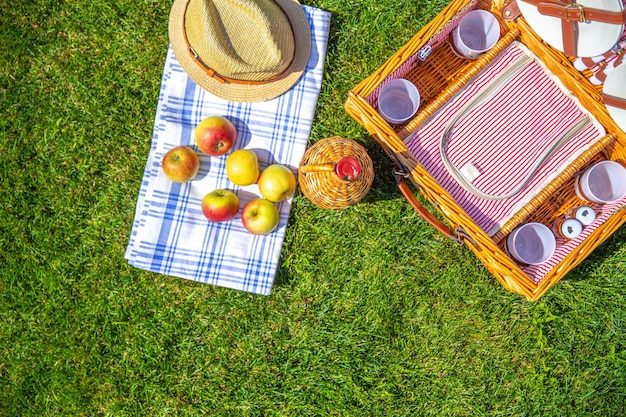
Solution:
(320, 183)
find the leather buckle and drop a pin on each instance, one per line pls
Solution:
(578, 13)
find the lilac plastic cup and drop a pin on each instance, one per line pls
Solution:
(477, 32)
(398, 101)
(604, 182)
(531, 243)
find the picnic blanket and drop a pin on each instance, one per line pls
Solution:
(170, 235)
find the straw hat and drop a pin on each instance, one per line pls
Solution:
(614, 95)
(241, 50)
(583, 29)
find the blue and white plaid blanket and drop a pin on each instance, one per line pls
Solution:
(170, 235)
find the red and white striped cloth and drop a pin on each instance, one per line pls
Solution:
(502, 138)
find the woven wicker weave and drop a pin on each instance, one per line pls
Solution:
(320, 184)
(438, 79)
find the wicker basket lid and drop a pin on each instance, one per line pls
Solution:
(318, 176)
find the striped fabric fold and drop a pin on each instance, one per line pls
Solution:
(170, 235)
(502, 138)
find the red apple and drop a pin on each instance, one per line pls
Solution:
(277, 183)
(215, 135)
(260, 216)
(220, 205)
(180, 164)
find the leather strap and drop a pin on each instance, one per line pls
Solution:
(510, 11)
(589, 62)
(614, 101)
(577, 13)
(399, 174)
(571, 14)
(569, 29)
(427, 215)
(601, 74)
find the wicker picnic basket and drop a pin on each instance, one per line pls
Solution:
(438, 78)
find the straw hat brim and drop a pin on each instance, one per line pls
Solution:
(594, 38)
(242, 92)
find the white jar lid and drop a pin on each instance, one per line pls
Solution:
(585, 215)
(571, 228)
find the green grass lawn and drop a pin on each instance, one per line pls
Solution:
(374, 313)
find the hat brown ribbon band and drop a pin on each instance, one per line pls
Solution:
(571, 14)
(214, 74)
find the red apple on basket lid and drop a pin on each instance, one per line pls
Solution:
(348, 168)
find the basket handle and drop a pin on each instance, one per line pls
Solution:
(400, 174)
(318, 168)
(427, 215)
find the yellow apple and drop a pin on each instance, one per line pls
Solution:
(260, 216)
(242, 167)
(277, 183)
